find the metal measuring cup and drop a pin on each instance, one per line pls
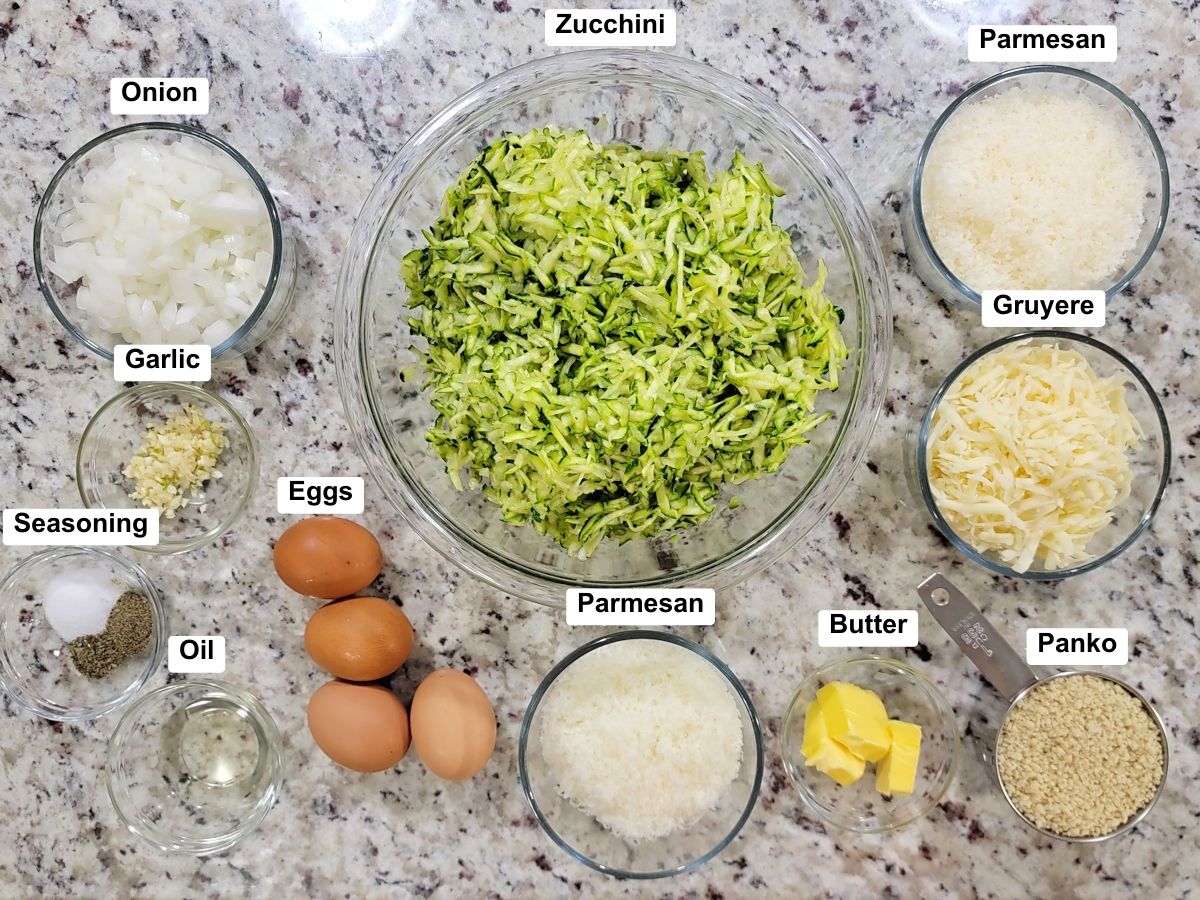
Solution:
(1008, 673)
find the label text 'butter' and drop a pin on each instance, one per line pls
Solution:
(867, 628)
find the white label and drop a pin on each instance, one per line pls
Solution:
(1033, 309)
(1042, 43)
(162, 362)
(170, 96)
(1077, 646)
(610, 27)
(628, 606)
(80, 527)
(194, 654)
(307, 493)
(867, 628)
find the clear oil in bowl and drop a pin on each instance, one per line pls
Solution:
(194, 766)
(214, 755)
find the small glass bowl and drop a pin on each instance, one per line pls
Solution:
(1151, 462)
(591, 843)
(194, 766)
(268, 311)
(35, 664)
(917, 243)
(907, 695)
(115, 433)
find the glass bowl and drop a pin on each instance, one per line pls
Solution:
(1151, 462)
(585, 839)
(53, 216)
(917, 243)
(907, 695)
(194, 766)
(35, 663)
(115, 433)
(654, 100)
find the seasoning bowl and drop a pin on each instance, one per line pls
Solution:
(923, 255)
(589, 842)
(53, 217)
(1151, 462)
(907, 695)
(115, 434)
(653, 100)
(194, 767)
(1015, 681)
(36, 667)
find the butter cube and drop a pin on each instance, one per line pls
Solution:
(896, 773)
(815, 732)
(840, 764)
(824, 753)
(856, 719)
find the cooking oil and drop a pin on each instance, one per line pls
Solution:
(214, 753)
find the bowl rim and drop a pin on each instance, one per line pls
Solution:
(595, 644)
(139, 825)
(962, 545)
(201, 396)
(181, 128)
(965, 291)
(927, 684)
(16, 687)
(871, 351)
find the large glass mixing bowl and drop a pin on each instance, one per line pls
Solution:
(654, 100)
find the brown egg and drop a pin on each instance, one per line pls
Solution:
(360, 726)
(360, 639)
(453, 725)
(327, 557)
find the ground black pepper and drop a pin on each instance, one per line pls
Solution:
(126, 634)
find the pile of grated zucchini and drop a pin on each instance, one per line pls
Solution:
(613, 335)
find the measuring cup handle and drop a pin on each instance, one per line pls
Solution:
(975, 636)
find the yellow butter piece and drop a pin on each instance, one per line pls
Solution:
(840, 764)
(896, 773)
(856, 719)
(815, 732)
(824, 753)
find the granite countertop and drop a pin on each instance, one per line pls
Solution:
(321, 106)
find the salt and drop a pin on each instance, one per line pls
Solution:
(77, 603)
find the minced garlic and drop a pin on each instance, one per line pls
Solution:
(175, 460)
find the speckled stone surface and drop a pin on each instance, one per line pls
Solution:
(321, 105)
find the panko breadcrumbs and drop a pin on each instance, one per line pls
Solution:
(1080, 756)
(175, 459)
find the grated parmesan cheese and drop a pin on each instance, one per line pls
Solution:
(1028, 454)
(1035, 189)
(642, 735)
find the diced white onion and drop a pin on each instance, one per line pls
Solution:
(170, 243)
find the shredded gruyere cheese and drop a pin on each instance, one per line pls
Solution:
(1028, 454)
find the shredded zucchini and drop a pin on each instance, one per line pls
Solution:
(613, 335)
